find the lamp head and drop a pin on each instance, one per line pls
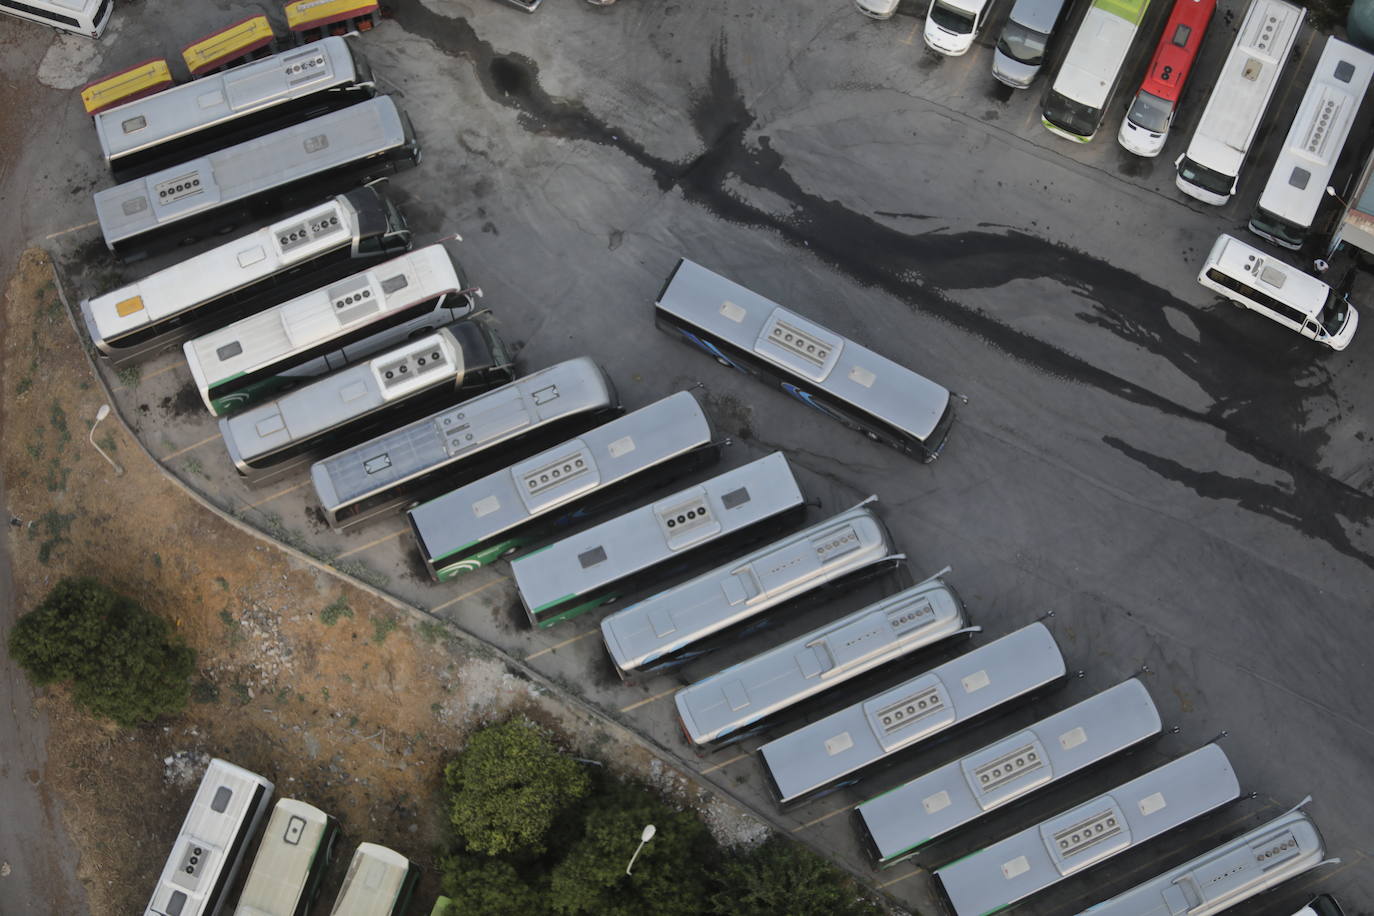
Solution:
(102, 413)
(648, 833)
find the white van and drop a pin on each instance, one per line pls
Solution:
(1280, 292)
(877, 9)
(82, 17)
(952, 25)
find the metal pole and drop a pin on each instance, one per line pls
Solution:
(644, 837)
(101, 414)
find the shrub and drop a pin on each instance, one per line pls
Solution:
(489, 887)
(781, 877)
(670, 876)
(508, 787)
(121, 659)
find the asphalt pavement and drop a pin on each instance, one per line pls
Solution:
(1186, 487)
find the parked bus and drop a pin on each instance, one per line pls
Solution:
(1279, 292)
(1297, 185)
(1127, 817)
(1146, 125)
(1087, 78)
(616, 558)
(311, 248)
(679, 624)
(248, 38)
(846, 382)
(460, 443)
(379, 882)
(1210, 169)
(228, 808)
(313, 159)
(1285, 847)
(297, 846)
(80, 17)
(309, 20)
(456, 362)
(904, 820)
(241, 104)
(748, 697)
(515, 509)
(825, 752)
(264, 354)
(1321, 905)
(129, 84)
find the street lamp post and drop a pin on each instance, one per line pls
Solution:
(644, 837)
(101, 414)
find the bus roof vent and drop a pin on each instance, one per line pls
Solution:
(907, 711)
(835, 544)
(178, 188)
(1080, 842)
(306, 67)
(550, 474)
(1321, 124)
(408, 366)
(294, 235)
(1273, 276)
(686, 521)
(1014, 764)
(798, 344)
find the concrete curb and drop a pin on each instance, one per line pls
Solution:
(579, 704)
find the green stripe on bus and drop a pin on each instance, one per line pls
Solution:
(1131, 10)
(453, 551)
(893, 859)
(549, 604)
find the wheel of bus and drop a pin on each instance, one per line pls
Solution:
(724, 362)
(508, 552)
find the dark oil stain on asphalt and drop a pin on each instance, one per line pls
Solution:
(1258, 382)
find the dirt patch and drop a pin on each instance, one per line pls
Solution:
(338, 697)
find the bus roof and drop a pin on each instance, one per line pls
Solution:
(335, 398)
(308, 148)
(1099, 46)
(207, 101)
(1177, 50)
(1318, 133)
(610, 453)
(376, 877)
(277, 880)
(729, 700)
(1242, 90)
(649, 534)
(320, 315)
(844, 369)
(900, 717)
(564, 389)
(1301, 292)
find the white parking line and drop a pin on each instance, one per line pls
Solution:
(561, 644)
(362, 547)
(195, 445)
(475, 591)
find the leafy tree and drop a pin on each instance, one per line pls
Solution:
(490, 887)
(508, 787)
(670, 876)
(780, 876)
(122, 660)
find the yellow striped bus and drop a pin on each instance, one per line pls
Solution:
(249, 38)
(126, 85)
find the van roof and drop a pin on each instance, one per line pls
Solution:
(972, 7)
(1040, 15)
(1301, 291)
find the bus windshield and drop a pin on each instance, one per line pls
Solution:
(1026, 46)
(1203, 177)
(1074, 117)
(956, 21)
(1284, 230)
(1334, 312)
(1150, 112)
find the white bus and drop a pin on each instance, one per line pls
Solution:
(1078, 99)
(1209, 170)
(296, 848)
(80, 17)
(229, 805)
(178, 124)
(1297, 185)
(379, 883)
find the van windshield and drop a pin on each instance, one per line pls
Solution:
(1074, 117)
(1334, 312)
(956, 21)
(1203, 177)
(1150, 112)
(1026, 46)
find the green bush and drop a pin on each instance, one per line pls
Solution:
(121, 659)
(780, 876)
(670, 876)
(508, 787)
(490, 887)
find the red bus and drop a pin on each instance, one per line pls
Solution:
(1147, 121)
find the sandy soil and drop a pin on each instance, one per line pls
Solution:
(342, 700)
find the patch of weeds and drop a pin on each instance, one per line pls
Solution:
(157, 560)
(35, 449)
(55, 476)
(283, 694)
(108, 443)
(437, 709)
(272, 525)
(431, 631)
(231, 623)
(352, 721)
(130, 376)
(23, 385)
(382, 627)
(58, 417)
(363, 573)
(324, 692)
(241, 692)
(339, 609)
(54, 525)
(205, 691)
(222, 582)
(193, 466)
